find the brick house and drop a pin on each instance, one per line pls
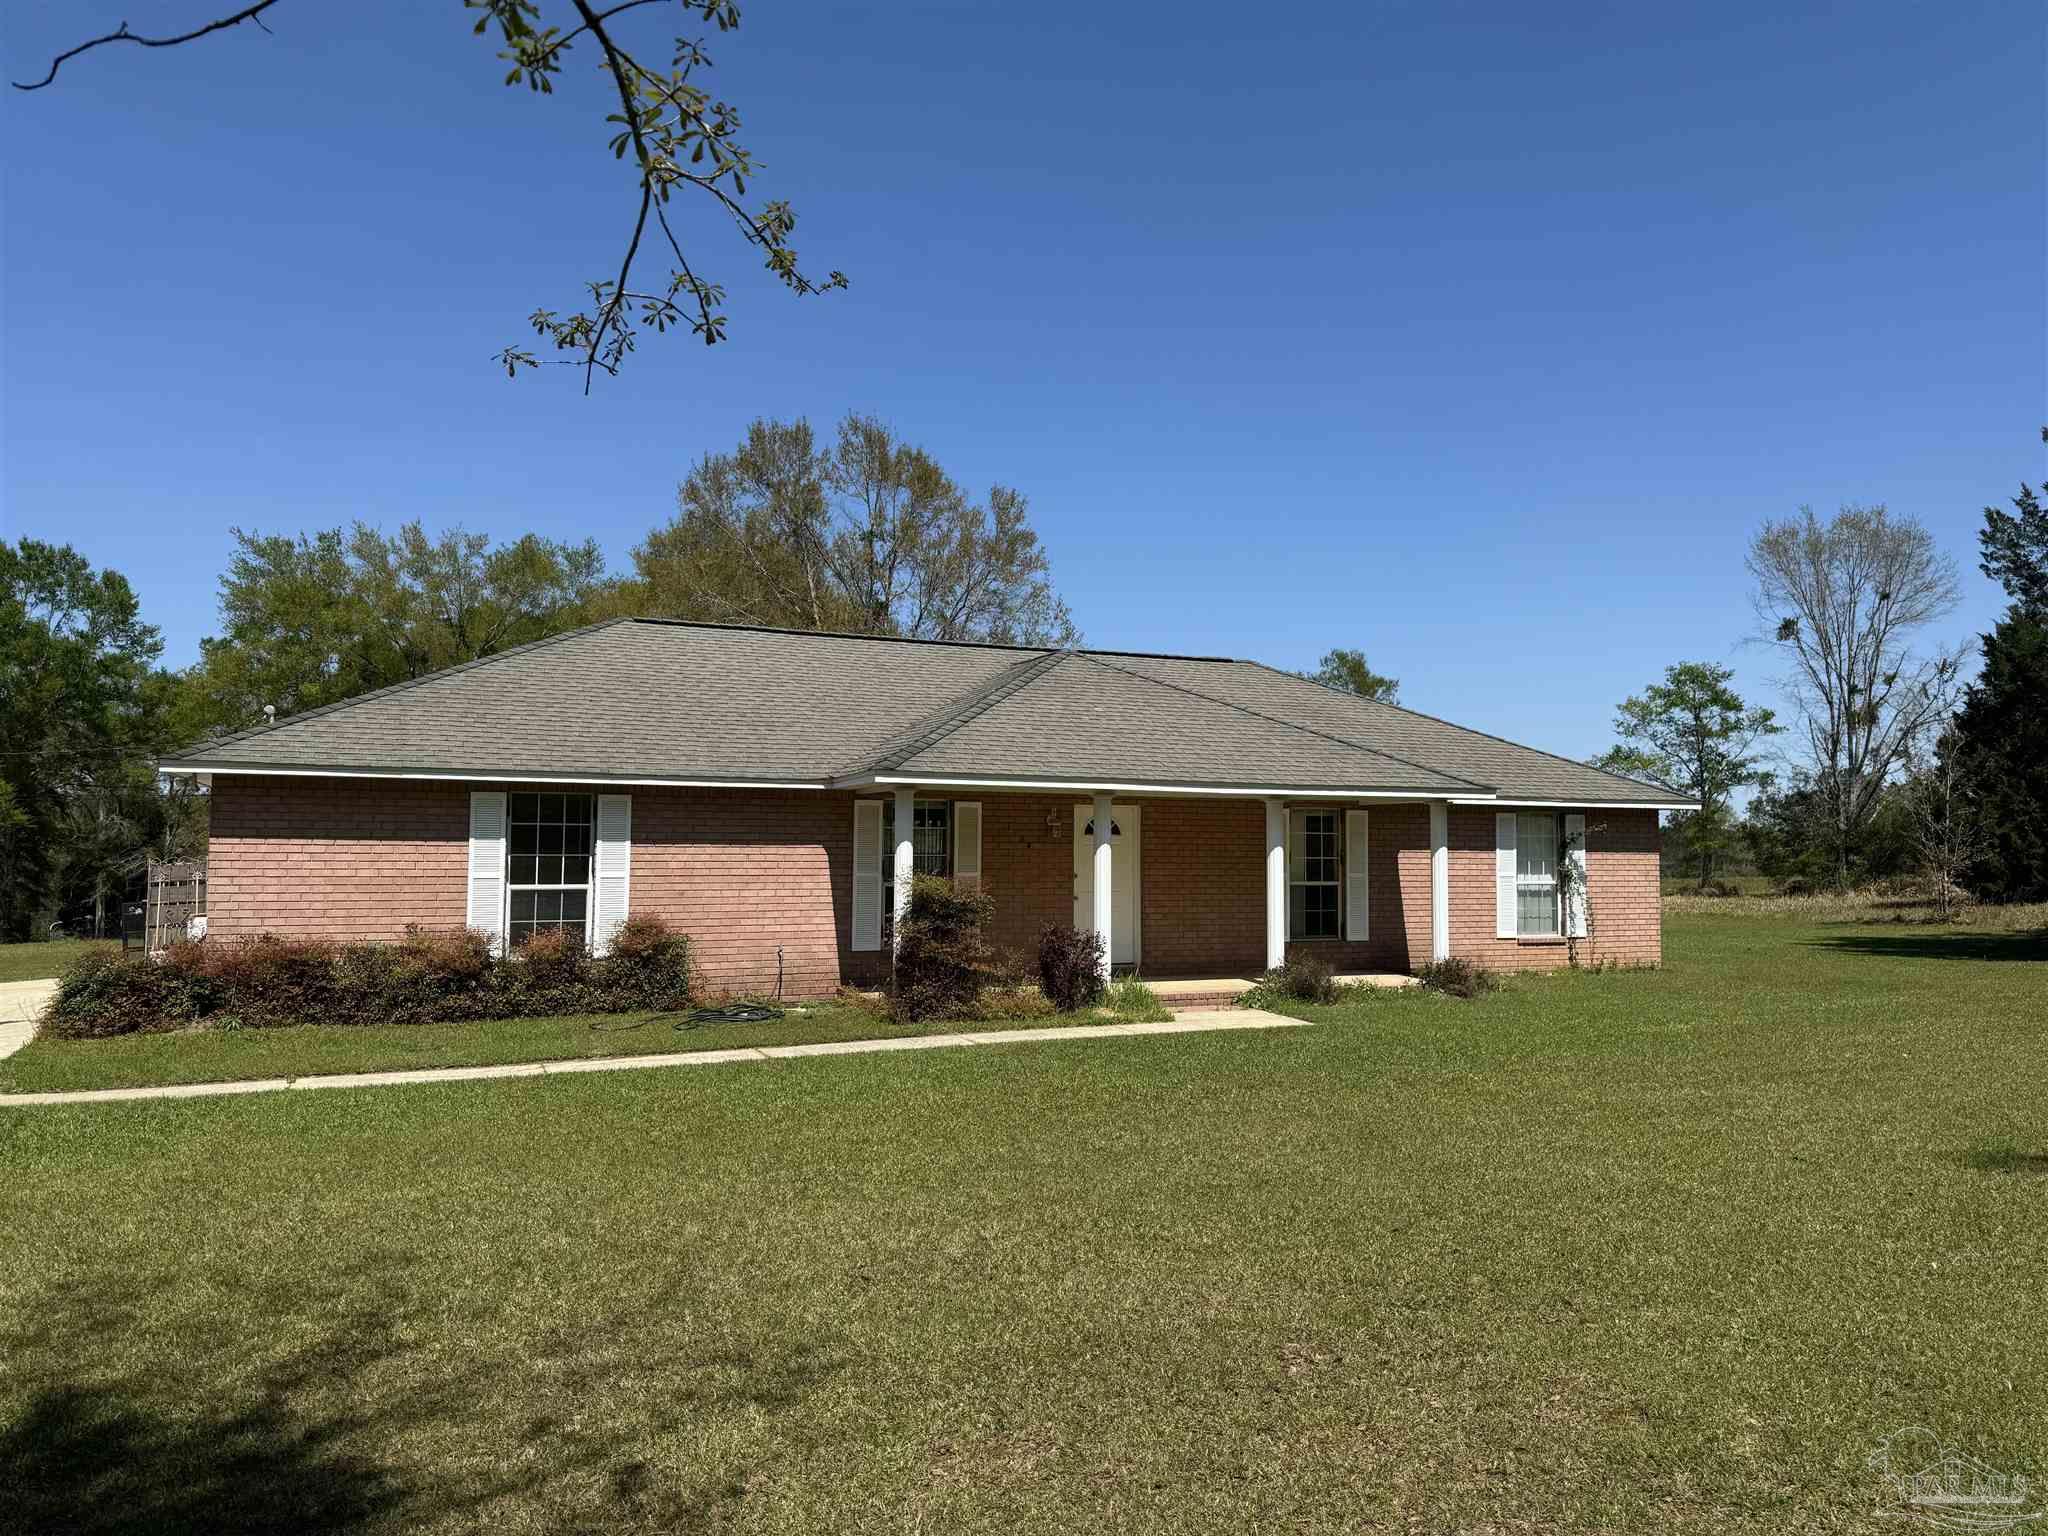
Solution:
(768, 791)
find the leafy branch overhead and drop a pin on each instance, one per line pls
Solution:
(678, 135)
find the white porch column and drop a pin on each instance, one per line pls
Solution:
(1276, 883)
(906, 857)
(1105, 862)
(1439, 880)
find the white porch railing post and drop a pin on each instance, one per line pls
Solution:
(906, 859)
(1439, 880)
(1105, 862)
(1276, 883)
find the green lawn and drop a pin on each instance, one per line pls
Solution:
(1637, 1252)
(213, 1056)
(34, 962)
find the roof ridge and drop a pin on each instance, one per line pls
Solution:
(848, 634)
(1519, 746)
(316, 713)
(975, 702)
(1293, 725)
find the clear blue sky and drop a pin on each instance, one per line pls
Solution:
(1481, 337)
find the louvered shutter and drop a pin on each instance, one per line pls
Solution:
(1575, 845)
(487, 865)
(967, 844)
(1504, 906)
(613, 874)
(1357, 888)
(867, 874)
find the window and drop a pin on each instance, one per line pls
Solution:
(931, 848)
(548, 842)
(1536, 875)
(1312, 874)
(931, 839)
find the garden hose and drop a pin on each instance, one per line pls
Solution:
(738, 1013)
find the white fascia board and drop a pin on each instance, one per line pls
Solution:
(481, 776)
(1091, 786)
(1579, 805)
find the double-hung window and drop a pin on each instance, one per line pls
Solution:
(548, 846)
(1536, 875)
(931, 847)
(1314, 874)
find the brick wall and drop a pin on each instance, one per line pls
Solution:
(740, 871)
(743, 871)
(1621, 889)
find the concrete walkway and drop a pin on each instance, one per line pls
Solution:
(20, 1003)
(1183, 1024)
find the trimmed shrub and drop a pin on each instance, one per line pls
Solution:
(428, 977)
(1303, 979)
(1458, 977)
(648, 967)
(103, 995)
(1070, 966)
(942, 954)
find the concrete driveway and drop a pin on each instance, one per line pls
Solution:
(20, 1003)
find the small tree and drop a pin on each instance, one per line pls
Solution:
(1347, 669)
(1947, 826)
(1694, 732)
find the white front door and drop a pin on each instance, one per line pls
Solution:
(1123, 879)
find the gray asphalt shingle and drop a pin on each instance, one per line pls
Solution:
(654, 699)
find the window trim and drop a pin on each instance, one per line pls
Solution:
(1530, 883)
(1336, 815)
(588, 887)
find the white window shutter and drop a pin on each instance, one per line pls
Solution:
(1504, 905)
(967, 844)
(1357, 888)
(867, 874)
(1575, 844)
(613, 872)
(487, 865)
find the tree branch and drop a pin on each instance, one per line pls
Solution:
(121, 34)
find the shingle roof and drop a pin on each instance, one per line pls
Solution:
(657, 699)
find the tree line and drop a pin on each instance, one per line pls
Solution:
(1896, 764)
(1894, 761)
(863, 533)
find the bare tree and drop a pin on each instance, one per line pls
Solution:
(1844, 601)
(870, 536)
(1947, 824)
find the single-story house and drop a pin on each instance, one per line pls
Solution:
(769, 791)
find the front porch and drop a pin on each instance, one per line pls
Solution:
(1196, 894)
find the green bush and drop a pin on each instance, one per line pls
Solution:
(943, 959)
(1070, 966)
(1303, 979)
(1458, 977)
(428, 977)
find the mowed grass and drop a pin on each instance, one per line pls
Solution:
(225, 1055)
(1632, 1252)
(37, 962)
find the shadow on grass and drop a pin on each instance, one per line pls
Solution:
(2005, 1156)
(308, 1442)
(1940, 945)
